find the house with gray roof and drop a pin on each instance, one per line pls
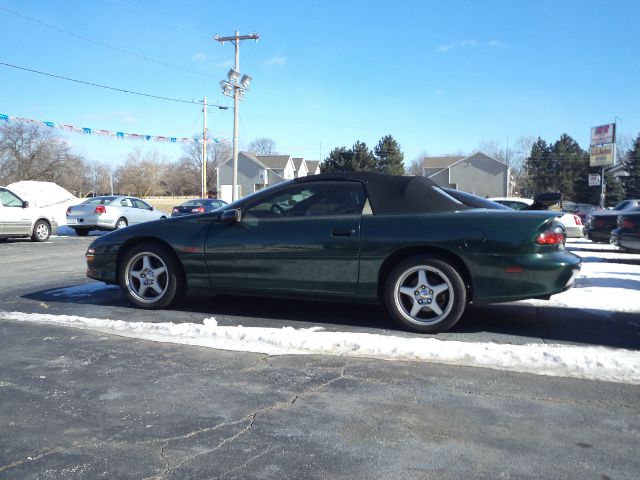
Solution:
(253, 175)
(281, 164)
(313, 167)
(300, 166)
(478, 173)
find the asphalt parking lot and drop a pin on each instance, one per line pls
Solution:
(81, 404)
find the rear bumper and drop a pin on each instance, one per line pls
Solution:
(601, 236)
(623, 239)
(92, 222)
(531, 276)
(575, 232)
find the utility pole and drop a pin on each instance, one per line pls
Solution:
(204, 150)
(237, 90)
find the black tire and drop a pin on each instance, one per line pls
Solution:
(425, 294)
(41, 231)
(82, 232)
(121, 223)
(143, 264)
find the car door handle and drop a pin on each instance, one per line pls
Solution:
(342, 232)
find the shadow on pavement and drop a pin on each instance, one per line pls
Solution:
(549, 324)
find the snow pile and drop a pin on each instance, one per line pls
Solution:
(597, 363)
(47, 196)
(41, 194)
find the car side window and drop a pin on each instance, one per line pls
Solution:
(312, 200)
(140, 204)
(126, 202)
(8, 199)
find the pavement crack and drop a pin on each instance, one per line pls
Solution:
(250, 418)
(29, 459)
(240, 467)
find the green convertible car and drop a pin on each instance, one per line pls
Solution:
(424, 251)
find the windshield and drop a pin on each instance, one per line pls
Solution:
(241, 201)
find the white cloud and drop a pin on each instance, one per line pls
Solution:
(497, 44)
(438, 92)
(199, 57)
(280, 61)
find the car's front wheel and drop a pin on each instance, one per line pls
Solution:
(150, 276)
(41, 231)
(425, 294)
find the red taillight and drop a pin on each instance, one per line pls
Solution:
(197, 210)
(577, 219)
(553, 236)
(101, 209)
(628, 223)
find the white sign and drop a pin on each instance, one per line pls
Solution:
(603, 134)
(594, 179)
(602, 156)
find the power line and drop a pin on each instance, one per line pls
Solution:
(158, 97)
(106, 45)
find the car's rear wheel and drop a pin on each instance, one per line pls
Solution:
(41, 231)
(121, 223)
(425, 294)
(82, 232)
(150, 276)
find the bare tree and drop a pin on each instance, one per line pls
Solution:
(263, 146)
(415, 168)
(217, 154)
(32, 152)
(142, 174)
(624, 144)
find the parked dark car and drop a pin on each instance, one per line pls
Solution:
(198, 205)
(627, 235)
(422, 250)
(602, 223)
(583, 210)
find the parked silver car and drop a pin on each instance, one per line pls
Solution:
(110, 213)
(18, 219)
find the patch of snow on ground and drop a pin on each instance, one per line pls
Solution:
(597, 363)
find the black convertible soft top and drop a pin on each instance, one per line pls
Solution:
(394, 193)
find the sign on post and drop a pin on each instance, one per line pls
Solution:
(603, 134)
(602, 156)
(594, 180)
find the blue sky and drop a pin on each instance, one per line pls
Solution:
(438, 76)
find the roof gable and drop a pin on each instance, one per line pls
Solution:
(278, 162)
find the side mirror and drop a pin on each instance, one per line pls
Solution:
(25, 204)
(230, 216)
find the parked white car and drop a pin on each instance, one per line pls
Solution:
(18, 219)
(110, 213)
(572, 223)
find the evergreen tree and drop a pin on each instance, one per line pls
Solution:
(568, 162)
(538, 169)
(358, 158)
(632, 167)
(339, 160)
(389, 157)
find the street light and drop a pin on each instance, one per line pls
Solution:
(231, 87)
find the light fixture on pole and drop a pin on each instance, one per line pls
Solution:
(231, 87)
